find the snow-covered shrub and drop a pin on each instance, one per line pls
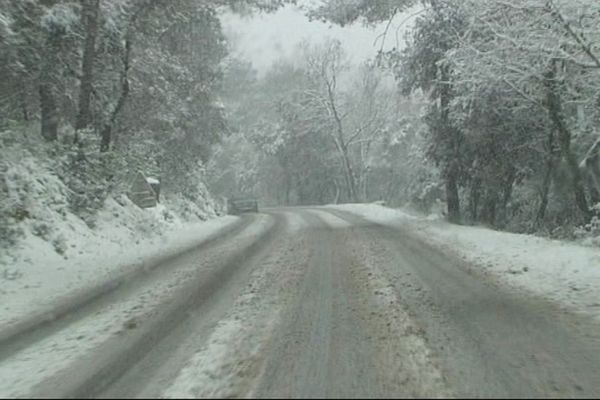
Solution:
(60, 244)
(521, 211)
(590, 232)
(62, 18)
(57, 192)
(167, 215)
(32, 196)
(91, 176)
(201, 209)
(10, 214)
(41, 229)
(147, 225)
(11, 274)
(426, 195)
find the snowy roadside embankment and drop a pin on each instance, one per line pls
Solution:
(64, 232)
(564, 272)
(36, 277)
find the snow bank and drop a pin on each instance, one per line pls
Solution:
(331, 220)
(564, 272)
(47, 251)
(125, 238)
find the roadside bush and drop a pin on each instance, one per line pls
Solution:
(590, 232)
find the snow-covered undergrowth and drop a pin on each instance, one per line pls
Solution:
(565, 272)
(50, 246)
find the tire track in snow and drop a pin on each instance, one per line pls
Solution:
(123, 327)
(232, 361)
(340, 338)
(406, 360)
(70, 308)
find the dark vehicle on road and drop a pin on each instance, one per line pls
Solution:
(240, 205)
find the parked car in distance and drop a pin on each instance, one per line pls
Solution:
(241, 205)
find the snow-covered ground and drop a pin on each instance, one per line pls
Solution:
(61, 236)
(231, 362)
(564, 272)
(103, 330)
(34, 277)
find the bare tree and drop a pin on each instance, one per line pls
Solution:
(354, 118)
(89, 17)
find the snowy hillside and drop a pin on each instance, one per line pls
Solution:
(50, 248)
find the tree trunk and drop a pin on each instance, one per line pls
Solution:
(507, 191)
(541, 214)
(594, 196)
(93, 8)
(106, 137)
(452, 198)
(339, 141)
(349, 172)
(488, 213)
(546, 182)
(90, 21)
(564, 139)
(365, 185)
(23, 101)
(592, 172)
(337, 192)
(106, 134)
(48, 111)
(288, 190)
(474, 197)
(449, 136)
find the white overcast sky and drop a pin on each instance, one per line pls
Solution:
(263, 38)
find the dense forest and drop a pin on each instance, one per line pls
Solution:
(494, 112)
(93, 91)
(488, 108)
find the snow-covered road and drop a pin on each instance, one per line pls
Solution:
(309, 303)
